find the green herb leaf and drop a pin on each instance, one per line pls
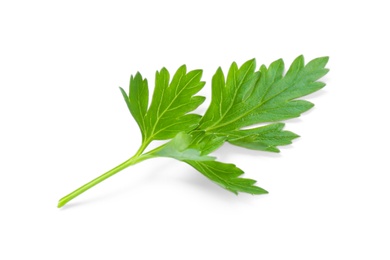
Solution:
(171, 103)
(245, 98)
(187, 148)
(250, 97)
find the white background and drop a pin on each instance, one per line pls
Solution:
(64, 122)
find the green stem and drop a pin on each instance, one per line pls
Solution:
(133, 160)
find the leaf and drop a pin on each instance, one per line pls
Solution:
(250, 97)
(171, 103)
(183, 147)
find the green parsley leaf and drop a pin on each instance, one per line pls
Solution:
(242, 100)
(250, 97)
(187, 148)
(171, 103)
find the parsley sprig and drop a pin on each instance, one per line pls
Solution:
(244, 98)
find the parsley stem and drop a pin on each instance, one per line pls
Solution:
(133, 160)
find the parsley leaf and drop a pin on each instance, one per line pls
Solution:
(171, 103)
(250, 97)
(188, 149)
(240, 101)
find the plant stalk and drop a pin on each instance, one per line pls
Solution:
(133, 160)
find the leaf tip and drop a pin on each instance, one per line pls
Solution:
(273, 149)
(310, 104)
(294, 135)
(265, 192)
(123, 92)
(163, 71)
(325, 59)
(253, 61)
(137, 76)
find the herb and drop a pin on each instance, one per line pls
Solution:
(244, 98)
